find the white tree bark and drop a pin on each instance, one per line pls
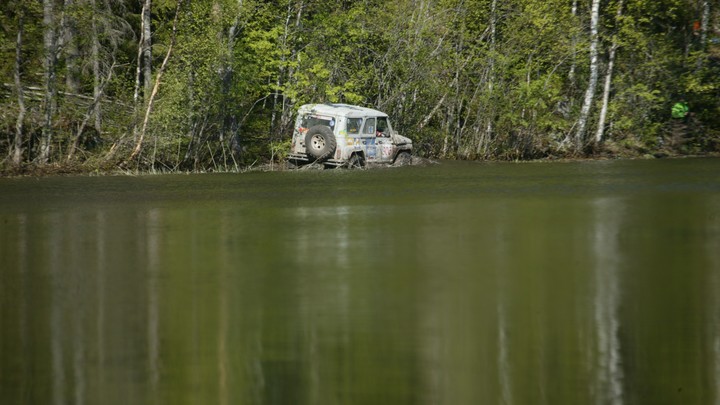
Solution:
(71, 49)
(491, 77)
(608, 79)
(138, 67)
(573, 65)
(705, 23)
(17, 147)
(147, 48)
(95, 56)
(156, 86)
(143, 69)
(287, 110)
(592, 82)
(49, 61)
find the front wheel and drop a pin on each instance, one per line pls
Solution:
(403, 159)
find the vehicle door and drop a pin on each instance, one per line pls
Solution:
(367, 139)
(354, 136)
(385, 149)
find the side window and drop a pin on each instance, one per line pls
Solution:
(382, 126)
(369, 127)
(354, 125)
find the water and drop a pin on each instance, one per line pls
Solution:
(555, 283)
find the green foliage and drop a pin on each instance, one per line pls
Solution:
(475, 79)
(279, 150)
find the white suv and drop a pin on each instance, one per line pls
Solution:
(346, 135)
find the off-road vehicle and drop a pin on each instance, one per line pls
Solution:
(346, 135)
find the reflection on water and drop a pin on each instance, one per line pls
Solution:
(711, 247)
(607, 299)
(152, 219)
(331, 245)
(463, 283)
(501, 251)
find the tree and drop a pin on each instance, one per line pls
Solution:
(18, 143)
(592, 81)
(49, 74)
(608, 78)
(468, 79)
(148, 110)
(147, 47)
(71, 49)
(95, 59)
(143, 71)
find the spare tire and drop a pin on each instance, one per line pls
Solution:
(320, 142)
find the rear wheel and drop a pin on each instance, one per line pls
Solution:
(356, 161)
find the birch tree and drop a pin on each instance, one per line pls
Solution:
(18, 143)
(705, 23)
(491, 78)
(608, 77)
(143, 70)
(49, 76)
(592, 81)
(153, 93)
(71, 50)
(95, 60)
(470, 79)
(147, 47)
(573, 63)
(228, 74)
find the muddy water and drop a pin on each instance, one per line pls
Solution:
(592, 282)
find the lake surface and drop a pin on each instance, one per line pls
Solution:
(458, 283)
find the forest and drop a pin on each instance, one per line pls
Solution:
(213, 85)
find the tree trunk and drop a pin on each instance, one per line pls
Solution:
(230, 123)
(138, 76)
(95, 55)
(705, 23)
(608, 77)
(147, 48)
(227, 76)
(72, 52)
(571, 74)
(592, 82)
(17, 147)
(148, 110)
(493, 34)
(94, 106)
(491, 77)
(50, 59)
(281, 73)
(286, 116)
(143, 70)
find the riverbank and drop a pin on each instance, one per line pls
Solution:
(85, 169)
